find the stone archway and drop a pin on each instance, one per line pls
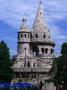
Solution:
(35, 49)
(46, 50)
(28, 63)
(42, 50)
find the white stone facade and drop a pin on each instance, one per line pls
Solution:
(35, 51)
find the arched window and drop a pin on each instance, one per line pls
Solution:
(36, 35)
(31, 36)
(27, 76)
(28, 35)
(52, 50)
(21, 35)
(23, 75)
(46, 50)
(33, 64)
(34, 75)
(28, 64)
(25, 35)
(17, 75)
(42, 50)
(35, 49)
(44, 36)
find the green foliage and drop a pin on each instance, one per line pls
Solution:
(59, 68)
(64, 48)
(5, 63)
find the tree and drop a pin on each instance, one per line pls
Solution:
(6, 72)
(64, 49)
(59, 69)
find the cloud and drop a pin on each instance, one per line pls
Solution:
(56, 9)
(12, 12)
(62, 37)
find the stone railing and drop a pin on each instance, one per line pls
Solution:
(42, 40)
(27, 69)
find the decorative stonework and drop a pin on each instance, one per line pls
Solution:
(35, 52)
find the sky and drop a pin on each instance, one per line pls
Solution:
(12, 12)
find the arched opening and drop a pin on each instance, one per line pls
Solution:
(33, 64)
(42, 50)
(21, 35)
(31, 36)
(52, 51)
(28, 64)
(46, 50)
(35, 49)
(25, 35)
(41, 84)
(28, 35)
(44, 36)
(17, 75)
(33, 75)
(36, 35)
(23, 75)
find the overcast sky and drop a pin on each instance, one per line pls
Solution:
(12, 12)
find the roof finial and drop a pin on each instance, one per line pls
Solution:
(23, 25)
(24, 20)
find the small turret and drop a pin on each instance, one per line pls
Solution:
(24, 26)
(23, 39)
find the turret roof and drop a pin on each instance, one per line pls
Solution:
(39, 23)
(24, 26)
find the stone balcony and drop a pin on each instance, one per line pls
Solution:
(31, 69)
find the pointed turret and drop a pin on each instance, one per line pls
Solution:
(39, 19)
(40, 30)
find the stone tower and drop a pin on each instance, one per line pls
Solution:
(35, 52)
(23, 46)
(41, 34)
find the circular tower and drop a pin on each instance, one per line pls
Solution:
(23, 47)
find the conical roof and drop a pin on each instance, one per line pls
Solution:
(39, 26)
(24, 27)
(39, 19)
